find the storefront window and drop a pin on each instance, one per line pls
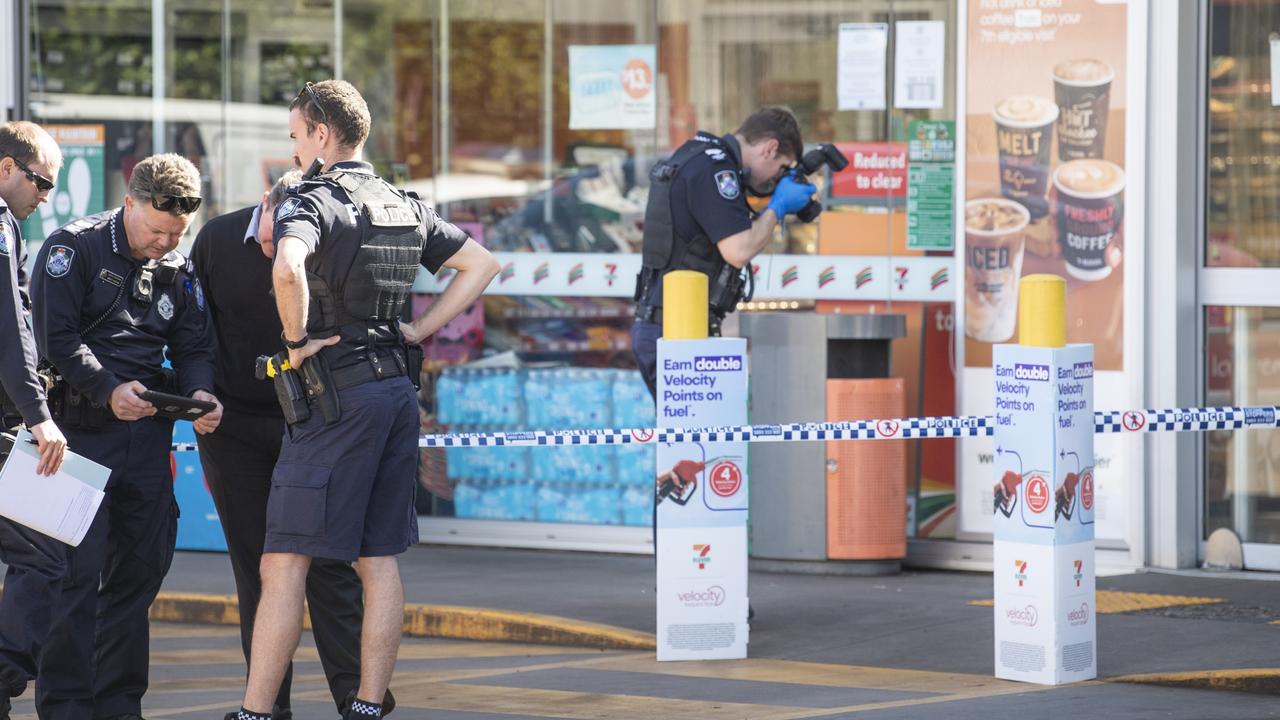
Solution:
(485, 108)
(1244, 136)
(1242, 474)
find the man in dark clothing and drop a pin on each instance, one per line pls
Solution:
(111, 299)
(232, 257)
(29, 163)
(698, 219)
(348, 246)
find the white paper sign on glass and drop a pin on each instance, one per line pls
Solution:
(860, 66)
(919, 62)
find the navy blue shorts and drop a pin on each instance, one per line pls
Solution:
(345, 491)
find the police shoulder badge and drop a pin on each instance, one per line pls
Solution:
(727, 184)
(287, 208)
(165, 306)
(199, 294)
(4, 239)
(59, 262)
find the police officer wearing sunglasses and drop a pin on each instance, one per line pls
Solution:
(112, 299)
(29, 157)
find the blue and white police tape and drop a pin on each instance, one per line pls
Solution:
(1104, 421)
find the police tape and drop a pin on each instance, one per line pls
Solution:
(1104, 422)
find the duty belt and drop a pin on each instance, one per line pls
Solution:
(376, 367)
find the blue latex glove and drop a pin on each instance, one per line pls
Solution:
(790, 195)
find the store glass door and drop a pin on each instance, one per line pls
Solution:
(1240, 276)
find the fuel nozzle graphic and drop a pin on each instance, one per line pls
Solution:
(1006, 493)
(1065, 497)
(679, 482)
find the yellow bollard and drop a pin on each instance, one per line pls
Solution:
(1042, 311)
(684, 305)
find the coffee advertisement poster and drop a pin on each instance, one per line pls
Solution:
(1045, 181)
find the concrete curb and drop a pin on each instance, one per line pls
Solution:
(1263, 681)
(442, 621)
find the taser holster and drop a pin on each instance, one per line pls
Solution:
(290, 390)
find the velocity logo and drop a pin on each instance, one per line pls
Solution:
(542, 272)
(575, 273)
(1079, 616)
(1079, 574)
(864, 276)
(790, 275)
(508, 272)
(711, 597)
(827, 276)
(611, 273)
(1020, 571)
(902, 277)
(702, 556)
(938, 279)
(1023, 616)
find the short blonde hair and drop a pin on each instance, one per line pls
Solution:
(167, 174)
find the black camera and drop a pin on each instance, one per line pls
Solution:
(811, 162)
(150, 275)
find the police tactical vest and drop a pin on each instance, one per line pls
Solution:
(391, 241)
(663, 250)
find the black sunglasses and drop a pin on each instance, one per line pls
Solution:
(43, 183)
(181, 204)
(315, 102)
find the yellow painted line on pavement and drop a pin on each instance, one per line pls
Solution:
(810, 673)
(1115, 601)
(443, 621)
(1252, 680)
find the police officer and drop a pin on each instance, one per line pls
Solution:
(348, 246)
(697, 218)
(232, 256)
(111, 297)
(29, 164)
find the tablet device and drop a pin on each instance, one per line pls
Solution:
(177, 407)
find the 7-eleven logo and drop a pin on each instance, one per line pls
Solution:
(702, 555)
(901, 278)
(1079, 575)
(1020, 571)
(611, 273)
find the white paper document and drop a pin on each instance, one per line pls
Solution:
(919, 64)
(62, 505)
(860, 66)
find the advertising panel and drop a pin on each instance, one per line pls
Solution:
(701, 499)
(1049, 115)
(1043, 501)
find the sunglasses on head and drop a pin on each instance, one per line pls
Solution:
(43, 183)
(181, 204)
(315, 102)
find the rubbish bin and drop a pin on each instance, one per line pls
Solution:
(837, 507)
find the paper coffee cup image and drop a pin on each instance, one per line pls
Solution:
(1090, 214)
(994, 231)
(1024, 140)
(1082, 89)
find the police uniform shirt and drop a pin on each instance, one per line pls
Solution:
(84, 273)
(25, 394)
(707, 196)
(324, 219)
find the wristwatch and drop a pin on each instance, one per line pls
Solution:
(296, 344)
